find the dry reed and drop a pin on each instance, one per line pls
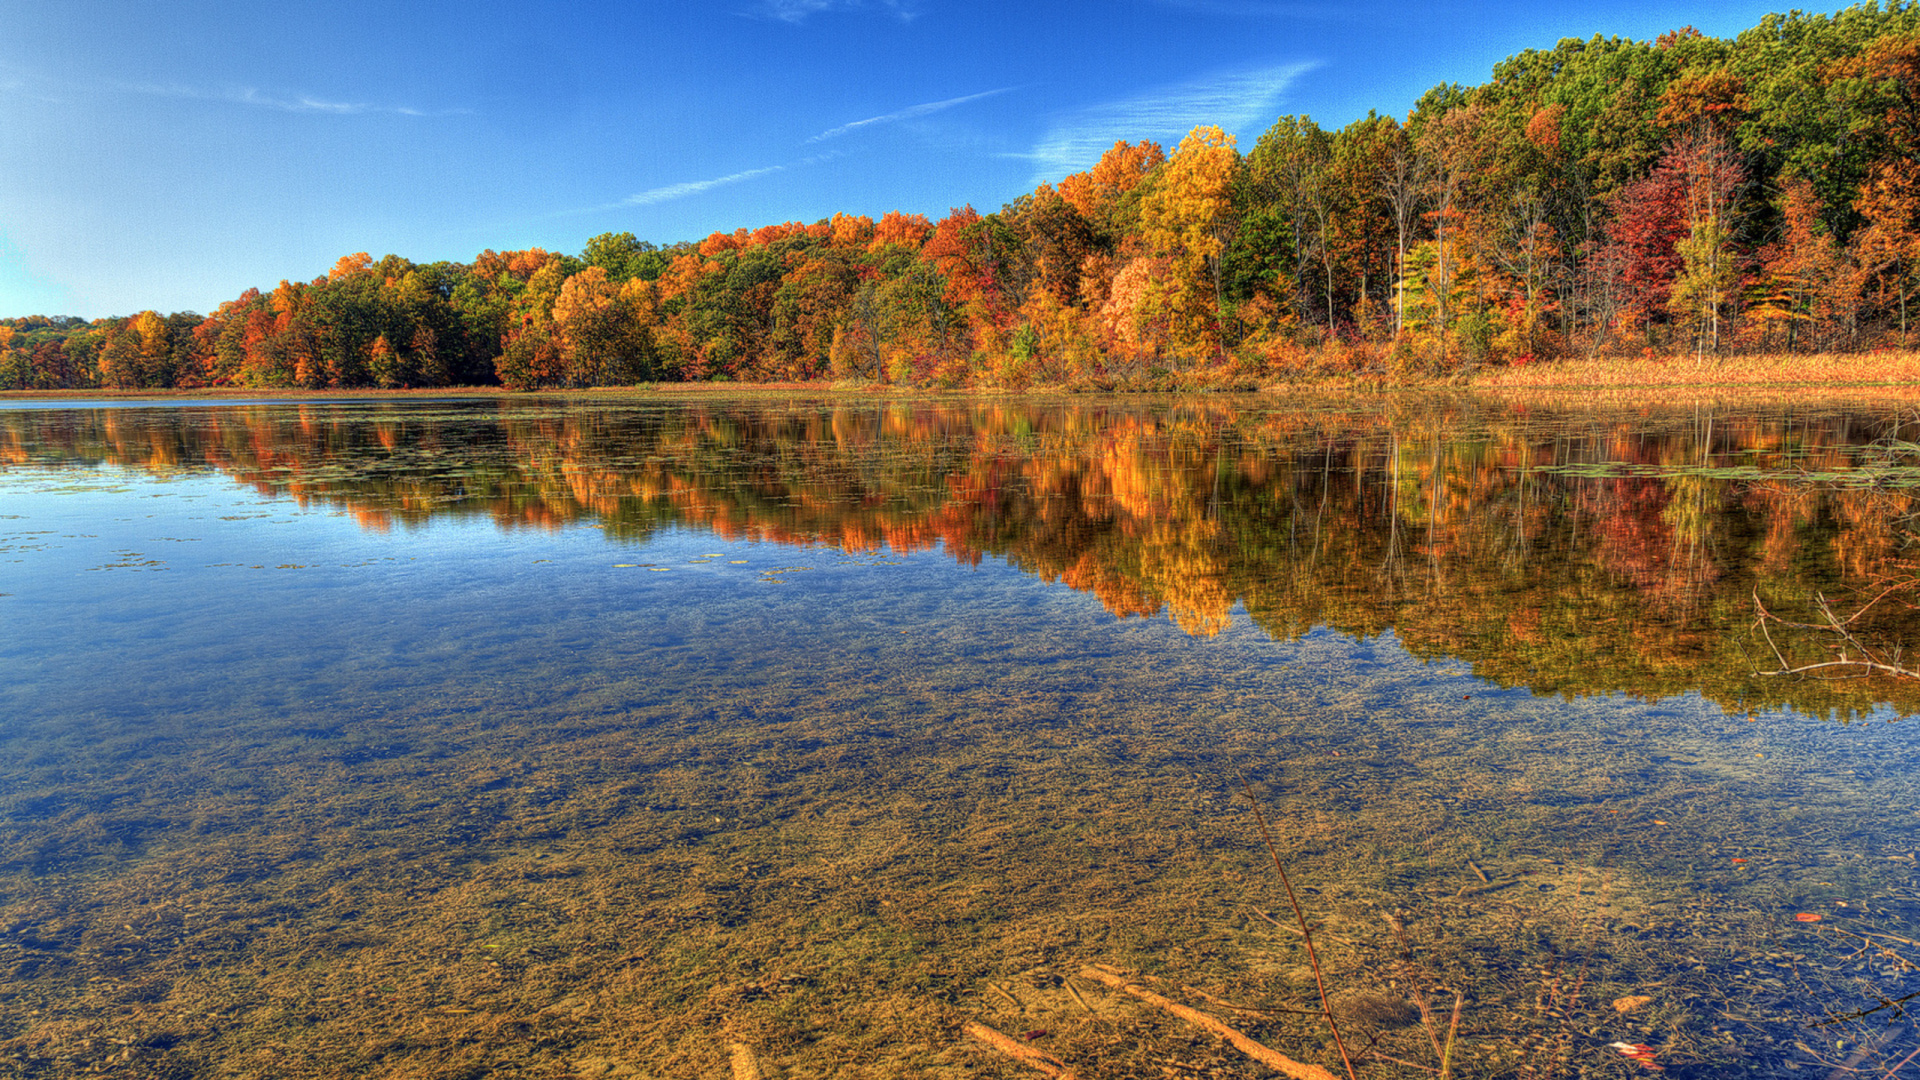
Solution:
(1300, 917)
(1764, 369)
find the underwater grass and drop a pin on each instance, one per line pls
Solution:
(640, 894)
(835, 828)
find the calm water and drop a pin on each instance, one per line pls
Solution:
(597, 738)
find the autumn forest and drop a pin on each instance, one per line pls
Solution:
(1603, 197)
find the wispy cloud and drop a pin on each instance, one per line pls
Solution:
(44, 87)
(908, 113)
(20, 88)
(300, 103)
(695, 187)
(1236, 101)
(20, 82)
(1271, 9)
(799, 11)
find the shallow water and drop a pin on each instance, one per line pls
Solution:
(598, 738)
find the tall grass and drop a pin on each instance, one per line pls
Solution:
(1763, 369)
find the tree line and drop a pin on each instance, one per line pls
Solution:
(1603, 197)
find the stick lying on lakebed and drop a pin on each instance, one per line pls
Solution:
(1491, 886)
(1265, 1055)
(1026, 1055)
(746, 1065)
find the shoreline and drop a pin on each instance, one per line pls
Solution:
(1763, 376)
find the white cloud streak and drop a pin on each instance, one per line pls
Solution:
(303, 103)
(1235, 101)
(28, 85)
(799, 11)
(695, 187)
(1268, 9)
(909, 113)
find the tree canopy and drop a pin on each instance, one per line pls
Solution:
(1690, 193)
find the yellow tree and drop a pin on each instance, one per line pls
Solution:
(138, 353)
(596, 333)
(1188, 218)
(530, 357)
(1054, 345)
(1711, 265)
(1449, 144)
(1888, 247)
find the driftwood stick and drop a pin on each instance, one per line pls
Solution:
(1276, 922)
(1903, 1064)
(1038, 1060)
(746, 1066)
(1006, 993)
(1453, 1033)
(1071, 989)
(1237, 1010)
(1300, 919)
(1318, 928)
(1265, 1055)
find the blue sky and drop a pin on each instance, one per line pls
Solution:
(171, 155)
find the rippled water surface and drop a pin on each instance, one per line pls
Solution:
(616, 738)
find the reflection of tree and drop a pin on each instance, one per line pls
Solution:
(1443, 523)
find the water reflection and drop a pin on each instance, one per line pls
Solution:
(1567, 553)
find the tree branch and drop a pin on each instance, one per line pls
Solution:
(1853, 655)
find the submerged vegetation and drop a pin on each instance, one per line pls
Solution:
(428, 778)
(1606, 198)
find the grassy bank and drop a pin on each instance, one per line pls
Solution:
(1770, 374)
(1879, 368)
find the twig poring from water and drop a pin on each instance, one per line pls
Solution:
(1306, 932)
(1855, 659)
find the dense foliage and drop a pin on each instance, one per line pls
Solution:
(1686, 194)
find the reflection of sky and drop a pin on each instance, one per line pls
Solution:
(153, 595)
(194, 611)
(189, 581)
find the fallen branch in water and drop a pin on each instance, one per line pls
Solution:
(1854, 657)
(1037, 1060)
(746, 1064)
(1259, 1052)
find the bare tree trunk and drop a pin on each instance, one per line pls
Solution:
(1403, 189)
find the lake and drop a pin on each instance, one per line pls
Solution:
(617, 737)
